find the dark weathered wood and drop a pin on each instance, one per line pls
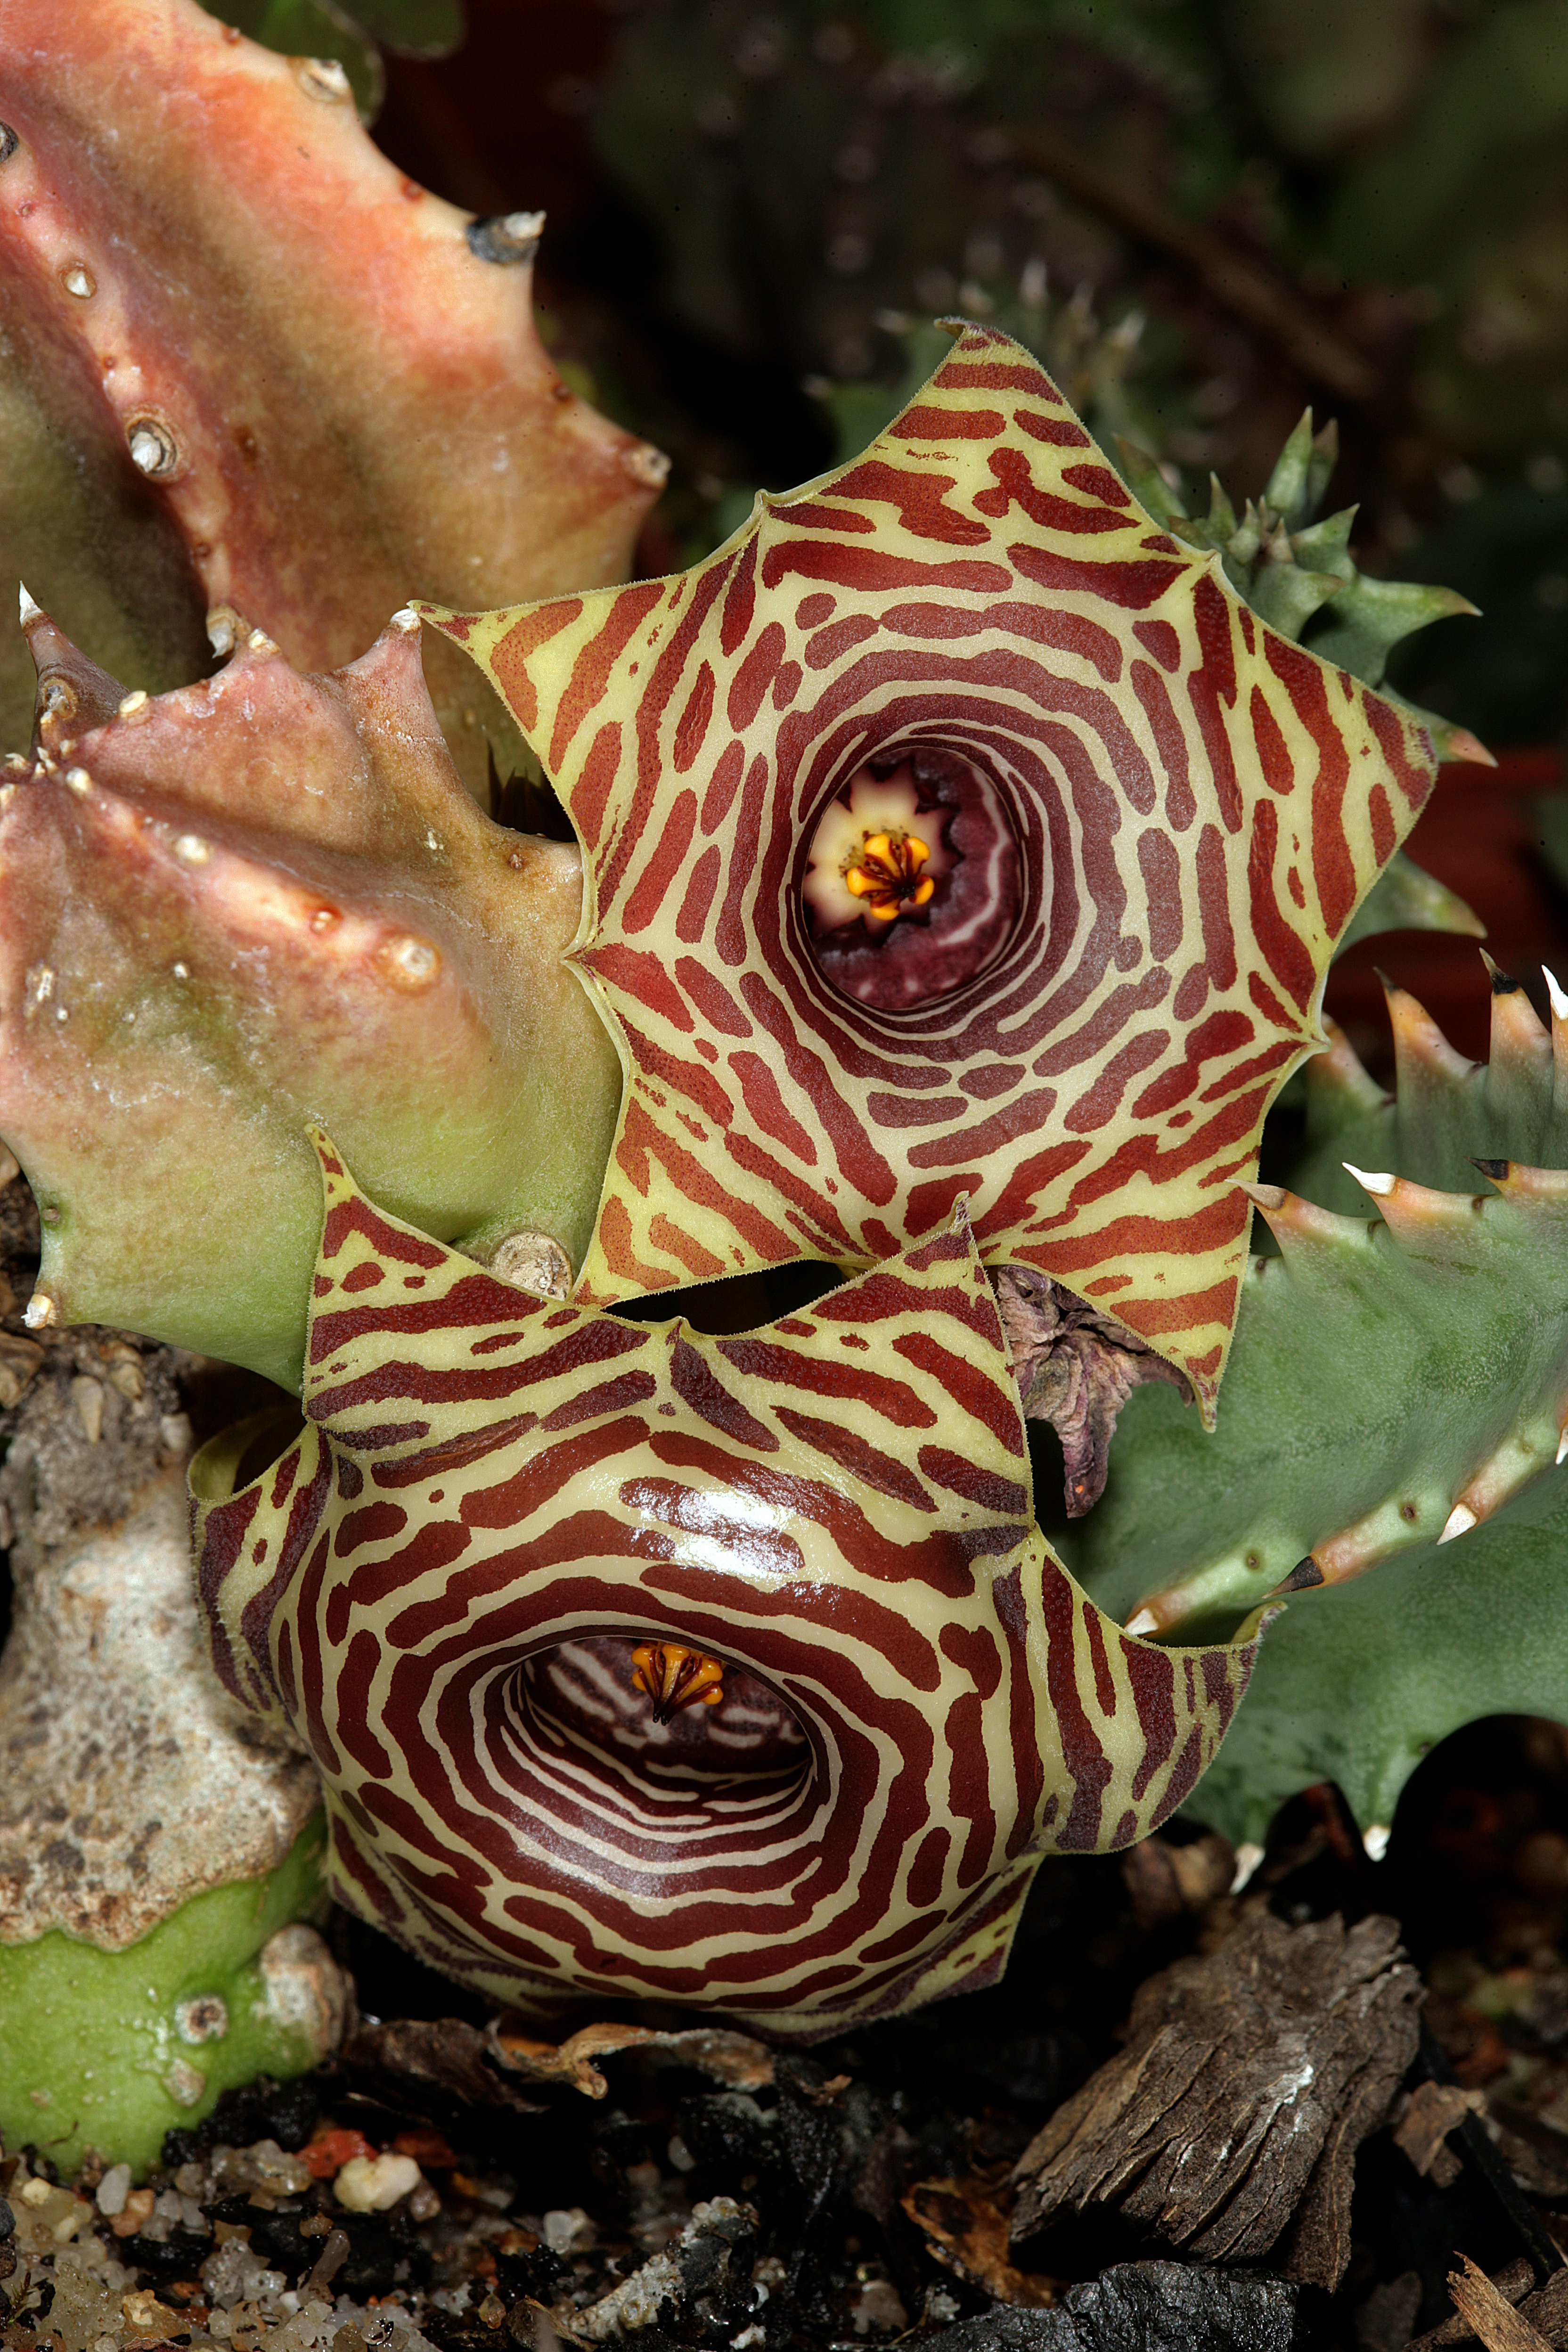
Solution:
(1491, 2317)
(1228, 2126)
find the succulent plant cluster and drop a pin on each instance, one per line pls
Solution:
(960, 850)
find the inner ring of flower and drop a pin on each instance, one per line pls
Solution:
(914, 881)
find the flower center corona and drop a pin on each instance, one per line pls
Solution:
(887, 874)
(675, 1677)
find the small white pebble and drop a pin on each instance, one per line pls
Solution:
(115, 2189)
(566, 2229)
(370, 2184)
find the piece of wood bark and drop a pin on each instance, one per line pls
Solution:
(1490, 2316)
(1433, 2111)
(1228, 2126)
(966, 2229)
(1544, 2309)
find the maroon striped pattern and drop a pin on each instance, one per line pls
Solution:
(1199, 804)
(496, 1496)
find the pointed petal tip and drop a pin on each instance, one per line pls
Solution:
(1463, 745)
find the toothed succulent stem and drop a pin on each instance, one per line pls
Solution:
(253, 901)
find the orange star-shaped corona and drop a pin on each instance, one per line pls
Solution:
(1155, 819)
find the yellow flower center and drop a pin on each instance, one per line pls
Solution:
(886, 873)
(674, 1677)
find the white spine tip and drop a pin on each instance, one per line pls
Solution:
(1248, 1857)
(406, 621)
(191, 849)
(1375, 1840)
(1375, 1180)
(259, 643)
(1558, 1001)
(1562, 1447)
(40, 1311)
(78, 780)
(134, 703)
(322, 78)
(1143, 1622)
(27, 610)
(1459, 1522)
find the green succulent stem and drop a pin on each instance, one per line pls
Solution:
(108, 2049)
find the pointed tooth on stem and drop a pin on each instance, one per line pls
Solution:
(1420, 1048)
(1296, 1223)
(27, 610)
(72, 693)
(225, 630)
(1516, 1179)
(1520, 1457)
(1421, 1213)
(1518, 1035)
(1459, 1522)
(1377, 1182)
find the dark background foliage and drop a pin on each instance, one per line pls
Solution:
(1205, 213)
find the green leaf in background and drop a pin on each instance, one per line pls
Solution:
(411, 28)
(313, 28)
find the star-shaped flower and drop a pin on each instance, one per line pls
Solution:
(464, 1583)
(1156, 817)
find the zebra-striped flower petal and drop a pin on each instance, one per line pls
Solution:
(1154, 816)
(504, 1511)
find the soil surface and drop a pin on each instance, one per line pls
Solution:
(1368, 2059)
